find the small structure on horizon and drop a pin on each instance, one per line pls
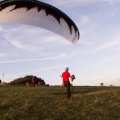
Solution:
(101, 84)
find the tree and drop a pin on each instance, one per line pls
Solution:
(27, 79)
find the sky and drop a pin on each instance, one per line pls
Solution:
(94, 59)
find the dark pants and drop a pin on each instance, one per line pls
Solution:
(67, 86)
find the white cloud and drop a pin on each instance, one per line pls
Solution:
(2, 54)
(84, 20)
(108, 45)
(81, 2)
(63, 55)
(35, 71)
(32, 39)
(37, 59)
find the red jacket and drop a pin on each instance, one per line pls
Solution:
(33, 80)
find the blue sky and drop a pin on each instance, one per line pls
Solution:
(27, 50)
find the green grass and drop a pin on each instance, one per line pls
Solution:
(48, 103)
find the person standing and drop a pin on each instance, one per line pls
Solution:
(33, 80)
(65, 81)
(71, 78)
(39, 84)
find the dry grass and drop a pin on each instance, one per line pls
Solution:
(48, 103)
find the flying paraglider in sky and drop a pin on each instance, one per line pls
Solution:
(36, 13)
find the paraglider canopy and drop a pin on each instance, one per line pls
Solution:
(36, 13)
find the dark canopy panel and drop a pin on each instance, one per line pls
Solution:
(39, 14)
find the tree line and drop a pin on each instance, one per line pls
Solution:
(28, 79)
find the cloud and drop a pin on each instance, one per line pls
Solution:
(2, 54)
(81, 2)
(30, 60)
(36, 70)
(108, 45)
(63, 55)
(110, 42)
(84, 20)
(32, 39)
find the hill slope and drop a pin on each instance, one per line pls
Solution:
(48, 103)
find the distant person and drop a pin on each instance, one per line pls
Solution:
(65, 81)
(0, 80)
(33, 80)
(38, 84)
(27, 84)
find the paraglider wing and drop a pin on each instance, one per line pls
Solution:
(39, 14)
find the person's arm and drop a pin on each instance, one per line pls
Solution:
(70, 80)
(62, 80)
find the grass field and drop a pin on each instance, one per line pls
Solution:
(48, 103)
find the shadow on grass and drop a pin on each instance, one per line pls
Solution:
(81, 90)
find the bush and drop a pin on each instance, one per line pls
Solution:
(27, 79)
